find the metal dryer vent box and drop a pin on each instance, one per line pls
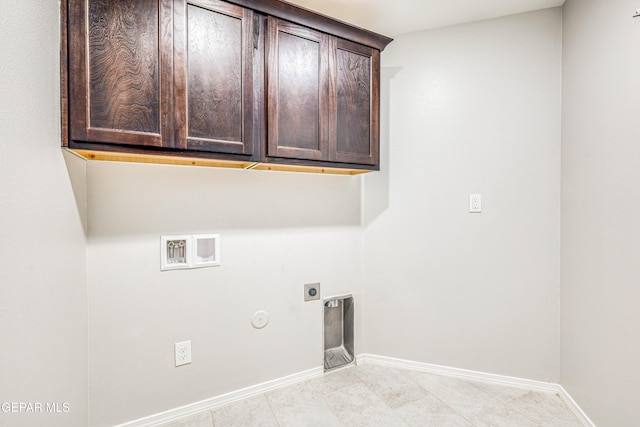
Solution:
(338, 332)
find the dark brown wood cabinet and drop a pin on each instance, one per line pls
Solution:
(356, 113)
(297, 91)
(120, 72)
(244, 81)
(323, 96)
(214, 77)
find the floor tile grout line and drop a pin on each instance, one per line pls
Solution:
(527, 416)
(364, 384)
(443, 402)
(508, 404)
(322, 396)
(273, 412)
(405, 403)
(500, 401)
(423, 390)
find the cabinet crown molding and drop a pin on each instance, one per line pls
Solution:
(317, 21)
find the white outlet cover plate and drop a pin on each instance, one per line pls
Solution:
(183, 353)
(475, 203)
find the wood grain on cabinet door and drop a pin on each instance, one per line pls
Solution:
(297, 92)
(355, 103)
(120, 63)
(214, 77)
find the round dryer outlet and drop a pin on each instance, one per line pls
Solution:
(260, 319)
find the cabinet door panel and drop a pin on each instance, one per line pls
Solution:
(214, 77)
(117, 64)
(298, 92)
(355, 131)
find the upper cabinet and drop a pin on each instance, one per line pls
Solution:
(120, 72)
(244, 82)
(298, 92)
(356, 97)
(214, 77)
(323, 96)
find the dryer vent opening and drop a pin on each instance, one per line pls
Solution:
(338, 332)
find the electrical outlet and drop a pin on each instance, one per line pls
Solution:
(312, 291)
(475, 203)
(183, 353)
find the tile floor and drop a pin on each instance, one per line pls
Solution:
(372, 395)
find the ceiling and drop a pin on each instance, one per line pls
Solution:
(393, 17)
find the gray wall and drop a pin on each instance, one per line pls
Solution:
(278, 231)
(43, 302)
(600, 202)
(473, 108)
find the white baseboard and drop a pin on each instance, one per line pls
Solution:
(459, 373)
(225, 399)
(577, 410)
(481, 376)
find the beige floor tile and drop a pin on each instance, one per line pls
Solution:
(500, 392)
(396, 387)
(358, 406)
(431, 412)
(334, 381)
(545, 409)
(253, 412)
(302, 405)
(462, 396)
(504, 416)
(377, 396)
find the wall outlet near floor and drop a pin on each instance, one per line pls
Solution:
(183, 353)
(475, 203)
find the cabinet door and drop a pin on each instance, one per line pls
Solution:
(214, 78)
(297, 91)
(355, 103)
(120, 71)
